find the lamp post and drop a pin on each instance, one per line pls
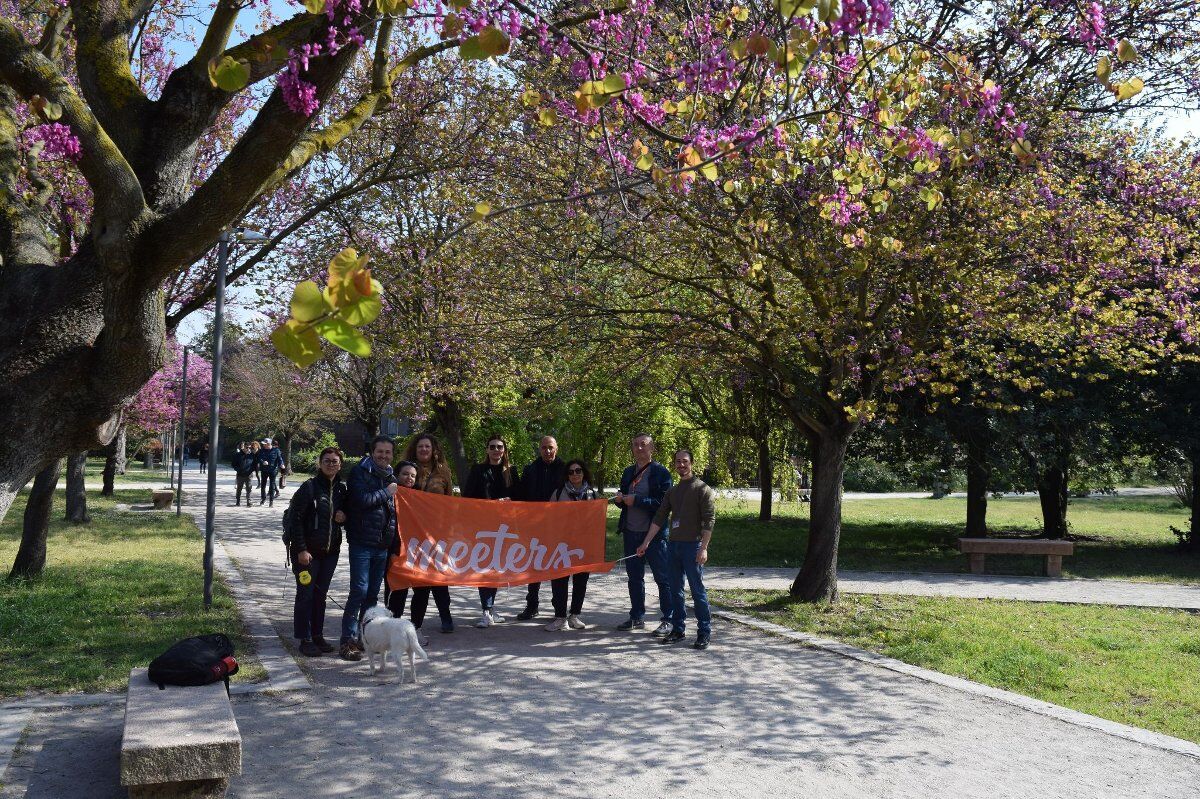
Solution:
(182, 433)
(214, 419)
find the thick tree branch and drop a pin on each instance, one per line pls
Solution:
(216, 37)
(52, 41)
(102, 65)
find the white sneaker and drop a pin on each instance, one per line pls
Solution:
(662, 629)
(497, 618)
(485, 620)
(576, 623)
(557, 625)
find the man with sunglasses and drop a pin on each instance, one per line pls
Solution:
(539, 481)
(643, 486)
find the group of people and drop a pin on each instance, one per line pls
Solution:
(263, 461)
(664, 525)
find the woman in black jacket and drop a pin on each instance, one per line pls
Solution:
(492, 479)
(316, 514)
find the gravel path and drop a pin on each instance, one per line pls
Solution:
(518, 712)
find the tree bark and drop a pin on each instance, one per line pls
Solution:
(1194, 522)
(766, 479)
(31, 557)
(449, 418)
(1052, 494)
(287, 453)
(77, 511)
(817, 580)
(120, 444)
(979, 473)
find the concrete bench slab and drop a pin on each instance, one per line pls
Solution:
(178, 742)
(977, 548)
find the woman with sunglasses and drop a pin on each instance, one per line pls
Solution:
(576, 486)
(432, 475)
(315, 515)
(492, 479)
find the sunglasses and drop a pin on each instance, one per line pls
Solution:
(495, 446)
(576, 470)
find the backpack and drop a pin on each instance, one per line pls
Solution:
(199, 660)
(289, 537)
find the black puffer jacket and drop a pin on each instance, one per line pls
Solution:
(487, 482)
(312, 509)
(540, 480)
(370, 510)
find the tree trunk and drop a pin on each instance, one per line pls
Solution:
(77, 511)
(1194, 523)
(766, 479)
(979, 473)
(287, 453)
(109, 476)
(1052, 494)
(31, 557)
(120, 443)
(817, 580)
(449, 418)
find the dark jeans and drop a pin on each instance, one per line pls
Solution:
(203, 466)
(243, 480)
(262, 487)
(308, 615)
(656, 556)
(531, 596)
(558, 593)
(487, 598)
(367, 566)
(681, 561)
(420, 603)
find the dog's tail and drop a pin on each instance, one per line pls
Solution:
(417, 648)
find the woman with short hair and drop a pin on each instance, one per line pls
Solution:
(494, 478)
(315, 516)
(577, 486)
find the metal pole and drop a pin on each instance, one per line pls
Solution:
(182, 431)
(214, 419)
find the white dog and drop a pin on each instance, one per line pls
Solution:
(381, 633)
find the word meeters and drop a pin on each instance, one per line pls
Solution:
(494, 551)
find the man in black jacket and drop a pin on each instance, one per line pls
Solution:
(270, 461)
(243, 467)
(539, 481)
(370, 530)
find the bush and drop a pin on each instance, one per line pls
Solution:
(305, 461)
(866, 474)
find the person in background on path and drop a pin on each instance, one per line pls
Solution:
(575, 487)
(643, 486)
(243, 466)
(539, 481)
(433, 476)
(270, 460)
(317, 512)
(255, 448)
(492, 479)
(691, 506)
(370, 532)
(406, 478)
(202, 456)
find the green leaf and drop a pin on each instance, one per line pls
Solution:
(494, 41)
(709, 170)
(1126, 52)
(366, 309)
(794, 8)
(1130, 88)
(614, 84)
(471, 49)
(459, 5)
(307, 302)
(481, 211)
(298, 344)
(46, 109)
(341, 333)
(228, 74)
(1103, 70)
(314, 6)
(548, 117)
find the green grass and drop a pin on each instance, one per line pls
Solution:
(1117, 538)
(134, 473)
(114, 595)
(1131, 665)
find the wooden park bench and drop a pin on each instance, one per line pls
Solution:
(181, 742)
(978, 548)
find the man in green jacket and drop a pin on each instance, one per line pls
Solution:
(692, 508)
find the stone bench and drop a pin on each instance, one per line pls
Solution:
(178, 742)
(977, 548)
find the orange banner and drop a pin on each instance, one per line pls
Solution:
(488, 543)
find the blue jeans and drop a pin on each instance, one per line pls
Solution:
(367, 566)
(308, 614)
(681, 560)
(656, 556)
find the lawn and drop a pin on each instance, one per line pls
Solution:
(115, 594)
(1118, 538)
(134, 473)
(1131, 665)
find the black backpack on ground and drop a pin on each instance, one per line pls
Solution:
(199, 660)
